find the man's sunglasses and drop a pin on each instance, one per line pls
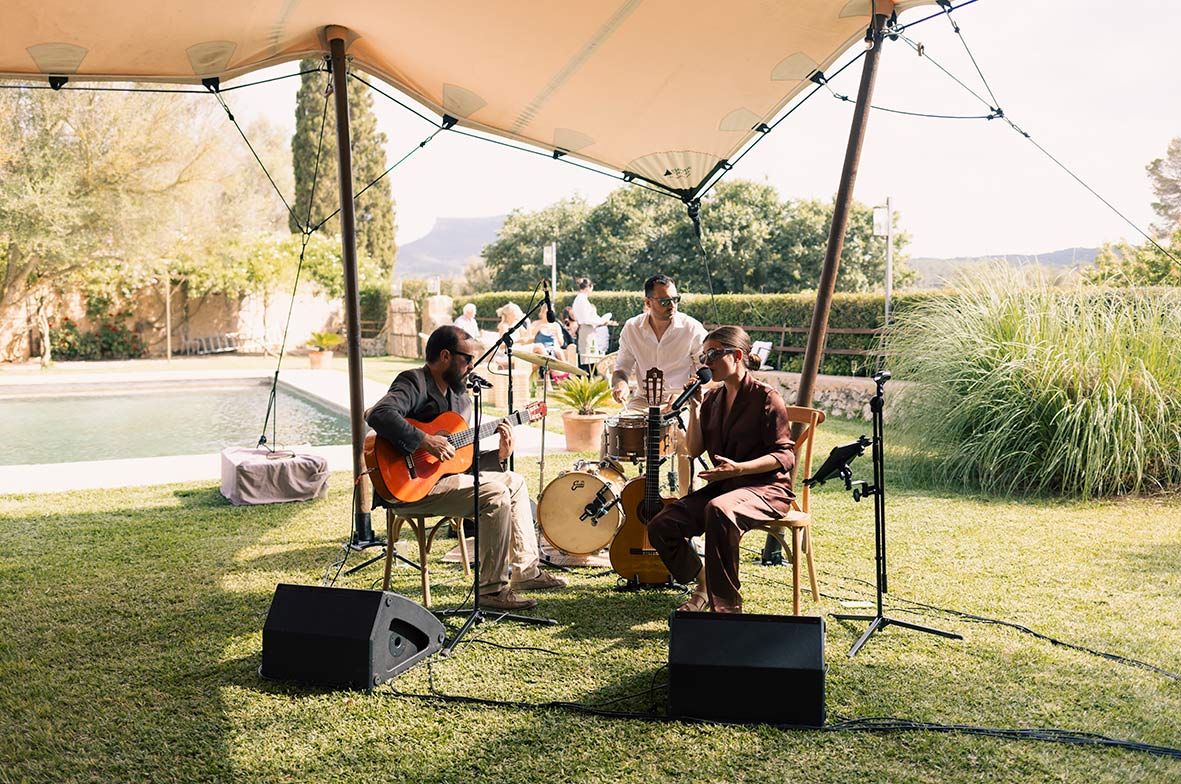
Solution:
(707, 357)
(469, 357)
(665, 302)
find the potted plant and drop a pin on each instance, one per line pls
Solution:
(320, 346)
(583, 424)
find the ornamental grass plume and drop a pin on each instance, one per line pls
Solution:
(1019, 387)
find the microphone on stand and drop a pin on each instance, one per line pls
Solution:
(480, 381)
(549, 303)
(704, 376)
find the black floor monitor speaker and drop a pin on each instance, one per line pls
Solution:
(766, 669)
(345, 637)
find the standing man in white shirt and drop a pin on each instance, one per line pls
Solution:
(467, 322)
(589, 321)
(662, 338)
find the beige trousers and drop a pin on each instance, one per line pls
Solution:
(508, 538)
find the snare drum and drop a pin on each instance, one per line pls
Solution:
(626, 437)
(579, 511)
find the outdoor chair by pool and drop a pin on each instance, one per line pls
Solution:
(799, 519)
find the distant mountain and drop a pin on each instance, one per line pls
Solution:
(935, 271)
(451, 245)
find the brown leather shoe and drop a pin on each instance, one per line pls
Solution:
(506, 599)
(544, 581)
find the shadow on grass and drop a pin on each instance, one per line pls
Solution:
(117, 634)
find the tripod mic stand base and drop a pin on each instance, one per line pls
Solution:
(879, 622)
(480, 615)
(375, 542)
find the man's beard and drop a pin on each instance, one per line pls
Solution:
(453, 378)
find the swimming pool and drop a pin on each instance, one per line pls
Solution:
(156, 421)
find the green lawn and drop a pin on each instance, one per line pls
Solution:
(132, 636)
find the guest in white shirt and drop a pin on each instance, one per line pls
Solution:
(467, 321)
(664, 338)
(590, 323)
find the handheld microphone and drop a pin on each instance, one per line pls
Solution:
(704, 376)
(549, 303)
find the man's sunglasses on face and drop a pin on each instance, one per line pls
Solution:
(665, 302)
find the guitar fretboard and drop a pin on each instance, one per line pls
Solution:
(465, 437)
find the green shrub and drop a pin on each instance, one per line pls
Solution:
(1021, 388)
(111, 339)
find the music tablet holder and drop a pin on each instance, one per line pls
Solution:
(837, 464)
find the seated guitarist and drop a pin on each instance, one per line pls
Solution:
(507, 536)
(743, 426)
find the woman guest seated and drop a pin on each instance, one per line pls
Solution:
(552, 340)
(743, 425)
(523, 337)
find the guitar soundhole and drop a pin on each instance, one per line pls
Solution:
(649, 509)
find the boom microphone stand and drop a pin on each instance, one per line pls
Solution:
(477, 613)
(878, 491)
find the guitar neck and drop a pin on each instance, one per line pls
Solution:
(465, 437)
(652, 458)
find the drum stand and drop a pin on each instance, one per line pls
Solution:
(545, 379)
(477, 614)
(878, 491)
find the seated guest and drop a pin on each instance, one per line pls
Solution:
(510, 313)
(508, 540)
(467, 321)
(742, 424)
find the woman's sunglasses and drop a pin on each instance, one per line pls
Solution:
(706, 357)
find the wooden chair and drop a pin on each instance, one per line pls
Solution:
(425, 535)
(799, 519)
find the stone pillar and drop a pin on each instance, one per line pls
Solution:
(436, 311)
(401, 328)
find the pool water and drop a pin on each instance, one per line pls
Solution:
(155, 423)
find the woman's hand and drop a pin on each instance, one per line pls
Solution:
(724, 468)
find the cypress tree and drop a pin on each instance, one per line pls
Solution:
(375, 208)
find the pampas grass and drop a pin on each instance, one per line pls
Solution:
(1019, 387)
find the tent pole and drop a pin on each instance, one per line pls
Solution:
(840, 220)
(362, 536)
(772, 552)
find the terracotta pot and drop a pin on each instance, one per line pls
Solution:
(584, 432)
(320, 360)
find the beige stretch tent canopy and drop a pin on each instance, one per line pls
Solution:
(663, 89)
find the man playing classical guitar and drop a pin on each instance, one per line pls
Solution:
(507, 535)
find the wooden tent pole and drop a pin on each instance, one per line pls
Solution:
(840, 220)
(772, 552)
(338, 39)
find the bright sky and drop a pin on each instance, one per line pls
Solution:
(1094, 83)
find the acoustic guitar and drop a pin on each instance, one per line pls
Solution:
(632, 554)
(400, 478)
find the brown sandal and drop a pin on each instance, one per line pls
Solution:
(698, 601)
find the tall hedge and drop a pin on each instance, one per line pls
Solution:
(849, 311)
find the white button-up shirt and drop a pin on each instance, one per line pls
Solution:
(585, 313)
(675, 353)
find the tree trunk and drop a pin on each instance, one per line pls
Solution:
(46, 341)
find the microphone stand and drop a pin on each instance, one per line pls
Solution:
(477, 614)
(506, 340)
(878, 491)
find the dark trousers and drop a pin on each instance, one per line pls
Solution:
(723, 519)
